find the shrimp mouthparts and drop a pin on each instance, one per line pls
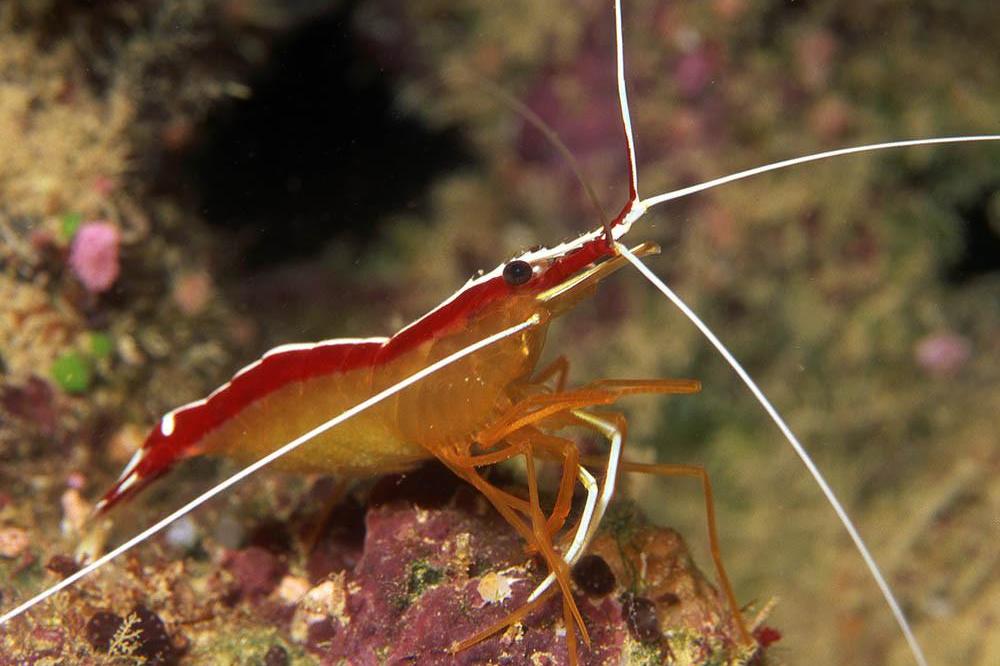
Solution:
(564, 295)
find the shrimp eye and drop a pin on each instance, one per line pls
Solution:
(517, 273)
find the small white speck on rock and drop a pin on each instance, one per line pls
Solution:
(183, 534)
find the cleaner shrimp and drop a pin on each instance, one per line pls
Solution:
(721, 235)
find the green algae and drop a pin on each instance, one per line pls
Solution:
(101, 345)
(419, 578)
(422, 575)
(248, 646)
(72, 372)
(69, 223)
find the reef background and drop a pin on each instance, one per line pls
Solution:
(283, 176)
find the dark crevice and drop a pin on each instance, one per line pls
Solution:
(319, 151)
(981, 238)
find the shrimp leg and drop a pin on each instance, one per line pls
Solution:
(570, 610)
(558, 368)
(546, 447)
(537, 407)
(700, 473)
(612, 427)
(535, 537)
(545, 409)
(556, 562)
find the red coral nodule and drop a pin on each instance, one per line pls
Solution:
(767, 636)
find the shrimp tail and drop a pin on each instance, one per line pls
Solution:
(161, 450)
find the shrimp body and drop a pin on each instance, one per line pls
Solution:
(293, 388)
(399, 432)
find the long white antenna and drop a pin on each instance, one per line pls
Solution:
(859, 543)
(774, 166)
(640, 207)
(623, 103)
(266, 460)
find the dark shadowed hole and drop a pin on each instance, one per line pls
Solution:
(981, 237)
(317, 152)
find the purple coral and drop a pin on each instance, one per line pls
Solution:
(94, 255)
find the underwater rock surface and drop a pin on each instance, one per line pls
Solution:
(424, 564)
(435, 570)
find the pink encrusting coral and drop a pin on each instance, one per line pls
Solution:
(94, 255)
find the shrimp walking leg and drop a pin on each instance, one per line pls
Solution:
(558, 449)
(622, 387)
(570, 611)
(612, 427)
(330, 504)
(700, 473)
(542, 445)
(544, 408)
(558, 369)
(538, 538)
(556, 562)
(557, 411)
(537, 407)
(561, 449)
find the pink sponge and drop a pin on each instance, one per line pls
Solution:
(94, 255)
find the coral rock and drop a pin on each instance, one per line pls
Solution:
(276, 656)
(101, 629)
(13, 541)
(153, 642)
(257, 571)
(435, 572)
